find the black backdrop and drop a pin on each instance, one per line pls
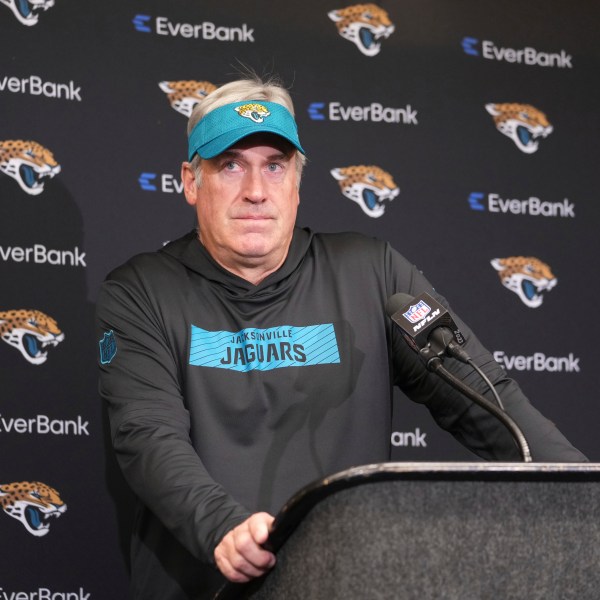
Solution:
(82, 81)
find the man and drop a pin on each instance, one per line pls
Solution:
(251, 357)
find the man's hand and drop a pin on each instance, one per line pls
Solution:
(240, 556)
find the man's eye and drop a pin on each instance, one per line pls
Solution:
(274, 167)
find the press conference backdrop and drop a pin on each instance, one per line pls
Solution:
(464, 132)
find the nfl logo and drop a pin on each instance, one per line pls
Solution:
(416, 312)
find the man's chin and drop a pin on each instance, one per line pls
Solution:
(254, 249)
(261, 245)
(263, 227)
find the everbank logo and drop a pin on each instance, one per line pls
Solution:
(34, 85)
(373, 113)
(40, 254)
(532, 206)
(44, 594)
(44, 425)
(204, 31)
(527, 56)
(411, 439)
(160, 182)
(539, 362)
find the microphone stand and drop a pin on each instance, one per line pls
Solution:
(434, 364)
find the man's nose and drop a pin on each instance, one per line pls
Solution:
(254, 188)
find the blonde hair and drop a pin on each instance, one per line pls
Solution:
(251, 87)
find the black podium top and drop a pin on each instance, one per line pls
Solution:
(299, 505)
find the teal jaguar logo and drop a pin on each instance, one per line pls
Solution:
(28, 11)
(368, 186)
(28, 163)
(524, 124)
(184, 96)
(33, 503)
(528, 277)
(365, 25)
(31, 332)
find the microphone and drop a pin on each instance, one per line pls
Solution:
(431, 332)
(427, 326)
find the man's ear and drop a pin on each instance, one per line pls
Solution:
(188, 179)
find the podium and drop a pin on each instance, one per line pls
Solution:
(438, 530)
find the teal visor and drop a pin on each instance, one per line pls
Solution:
(226, 125)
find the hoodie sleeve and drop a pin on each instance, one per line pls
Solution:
(471, 425)
(150, 425)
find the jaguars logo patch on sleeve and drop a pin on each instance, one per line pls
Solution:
(108, 347)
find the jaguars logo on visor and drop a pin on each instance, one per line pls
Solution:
(255, 112)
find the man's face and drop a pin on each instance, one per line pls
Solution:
(247, 204)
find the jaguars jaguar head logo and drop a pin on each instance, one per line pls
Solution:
(255, 112)
(368, 186)
(184, 96)
(365, 25)
(28, 163)
(524, 124)
(31, 332)
(27, 11)
(32, 503)
(528, 277)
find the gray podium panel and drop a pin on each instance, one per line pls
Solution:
(423, 530)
